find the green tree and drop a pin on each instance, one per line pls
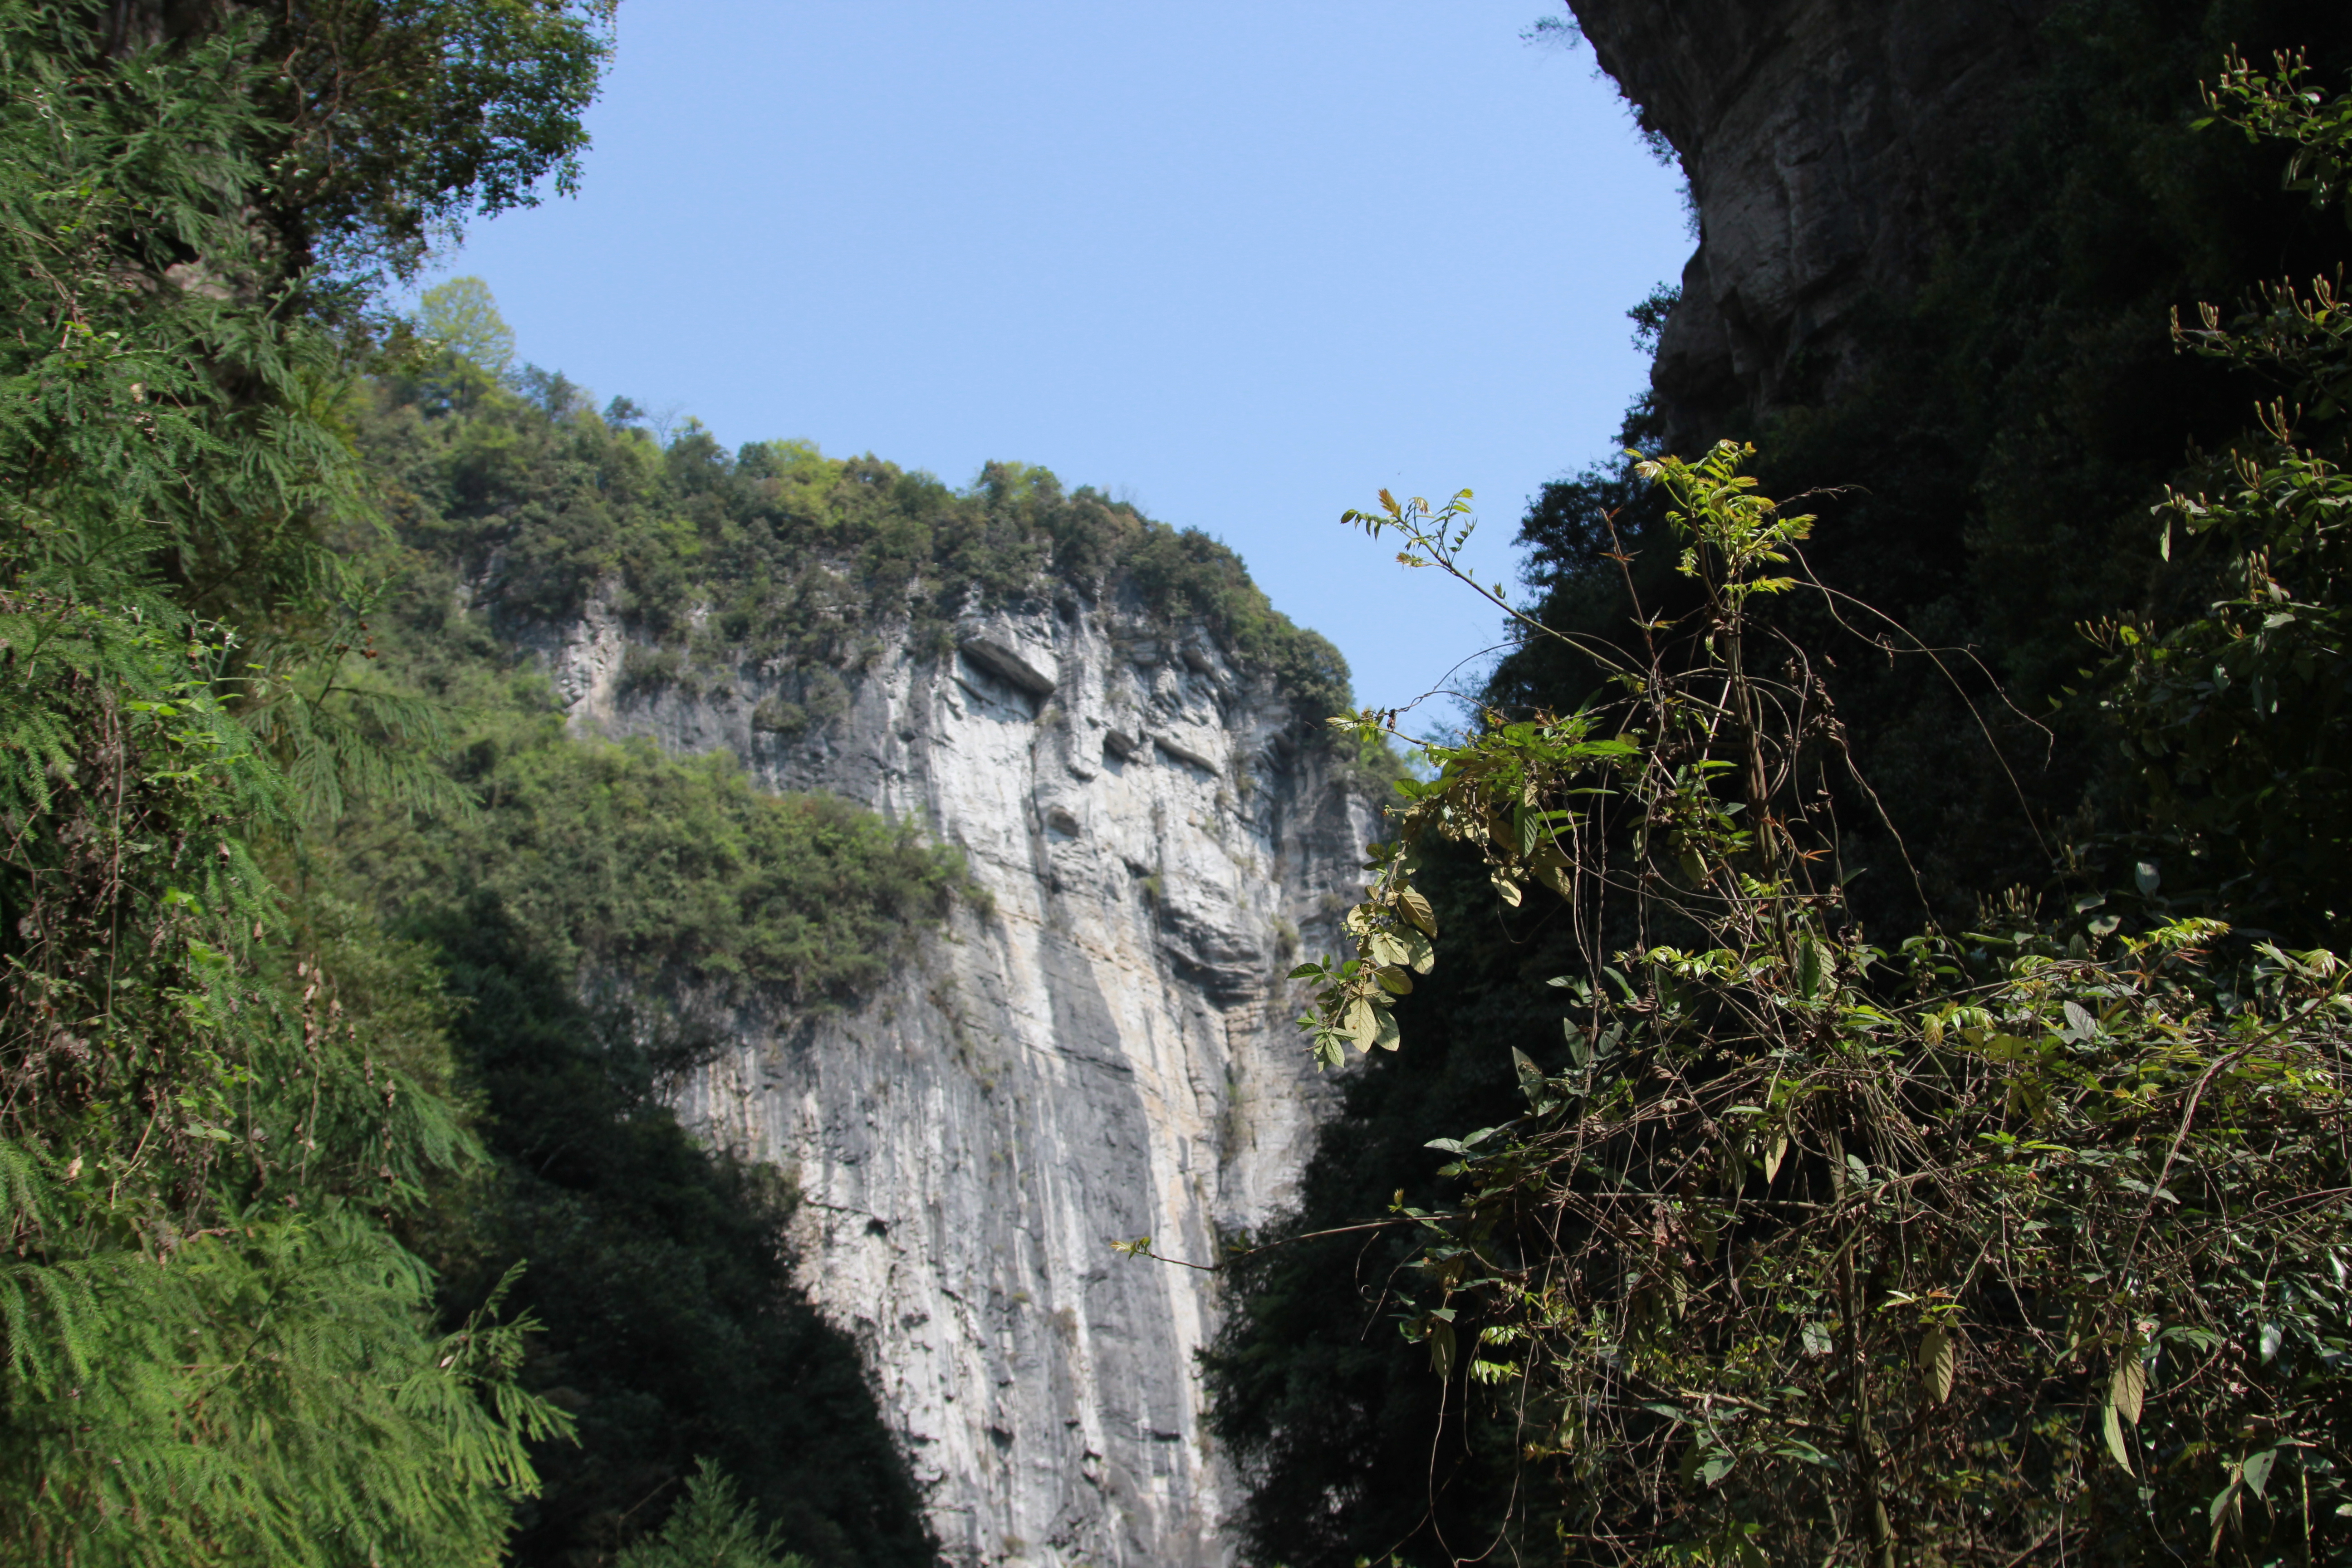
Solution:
(1810, 1250)
(395, 120)
(712, 1529)
(2017, 1243)
(2228, 715)
(461, 316)
(219, 1096)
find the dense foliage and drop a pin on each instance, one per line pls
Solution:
(774, 556)
(1813, 1250)
(283, 1187)
(219, 1101)
(653, 871)
(216, 1349)
(397, 119)
(1754, 1239)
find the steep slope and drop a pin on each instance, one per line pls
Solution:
(1941, 251)
(1821, 139)
(1938, 248)
(1126, 745)
(1103, 1054)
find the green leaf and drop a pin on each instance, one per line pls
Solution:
(2127, 1387)
(1416, 910)
(1531, 1078)
(2225, 1512)
(2114, 1431)
(1553, 872)
(1938, 1359)
(1798, 1448)
(2256, 1472)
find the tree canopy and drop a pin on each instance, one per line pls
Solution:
(275, 1262)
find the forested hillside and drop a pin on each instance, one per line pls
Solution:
(510, 490)
(219, 1350)
(1873, 1091)
(588, 904)
(350, 1223)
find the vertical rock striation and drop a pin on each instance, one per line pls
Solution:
(1101, 1053)
(1821, 138)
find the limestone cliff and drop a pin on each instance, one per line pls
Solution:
(1821, 138)
(1101, 1053)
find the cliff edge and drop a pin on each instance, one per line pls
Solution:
(1098, 1050)
(1821, 138)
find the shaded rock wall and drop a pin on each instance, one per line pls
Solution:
(1821, 138)
(1103, 1054)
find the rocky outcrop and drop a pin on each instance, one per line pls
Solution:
(1821, 138)
(1100, 1052)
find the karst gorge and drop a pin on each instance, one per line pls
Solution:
(581, 996)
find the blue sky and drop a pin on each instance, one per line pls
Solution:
(1240, 264)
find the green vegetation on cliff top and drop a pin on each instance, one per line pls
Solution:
(534, 501)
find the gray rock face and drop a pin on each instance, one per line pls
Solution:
(1821, 137)
(1104, 1054)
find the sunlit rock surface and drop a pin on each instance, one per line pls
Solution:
(1103, 1054)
